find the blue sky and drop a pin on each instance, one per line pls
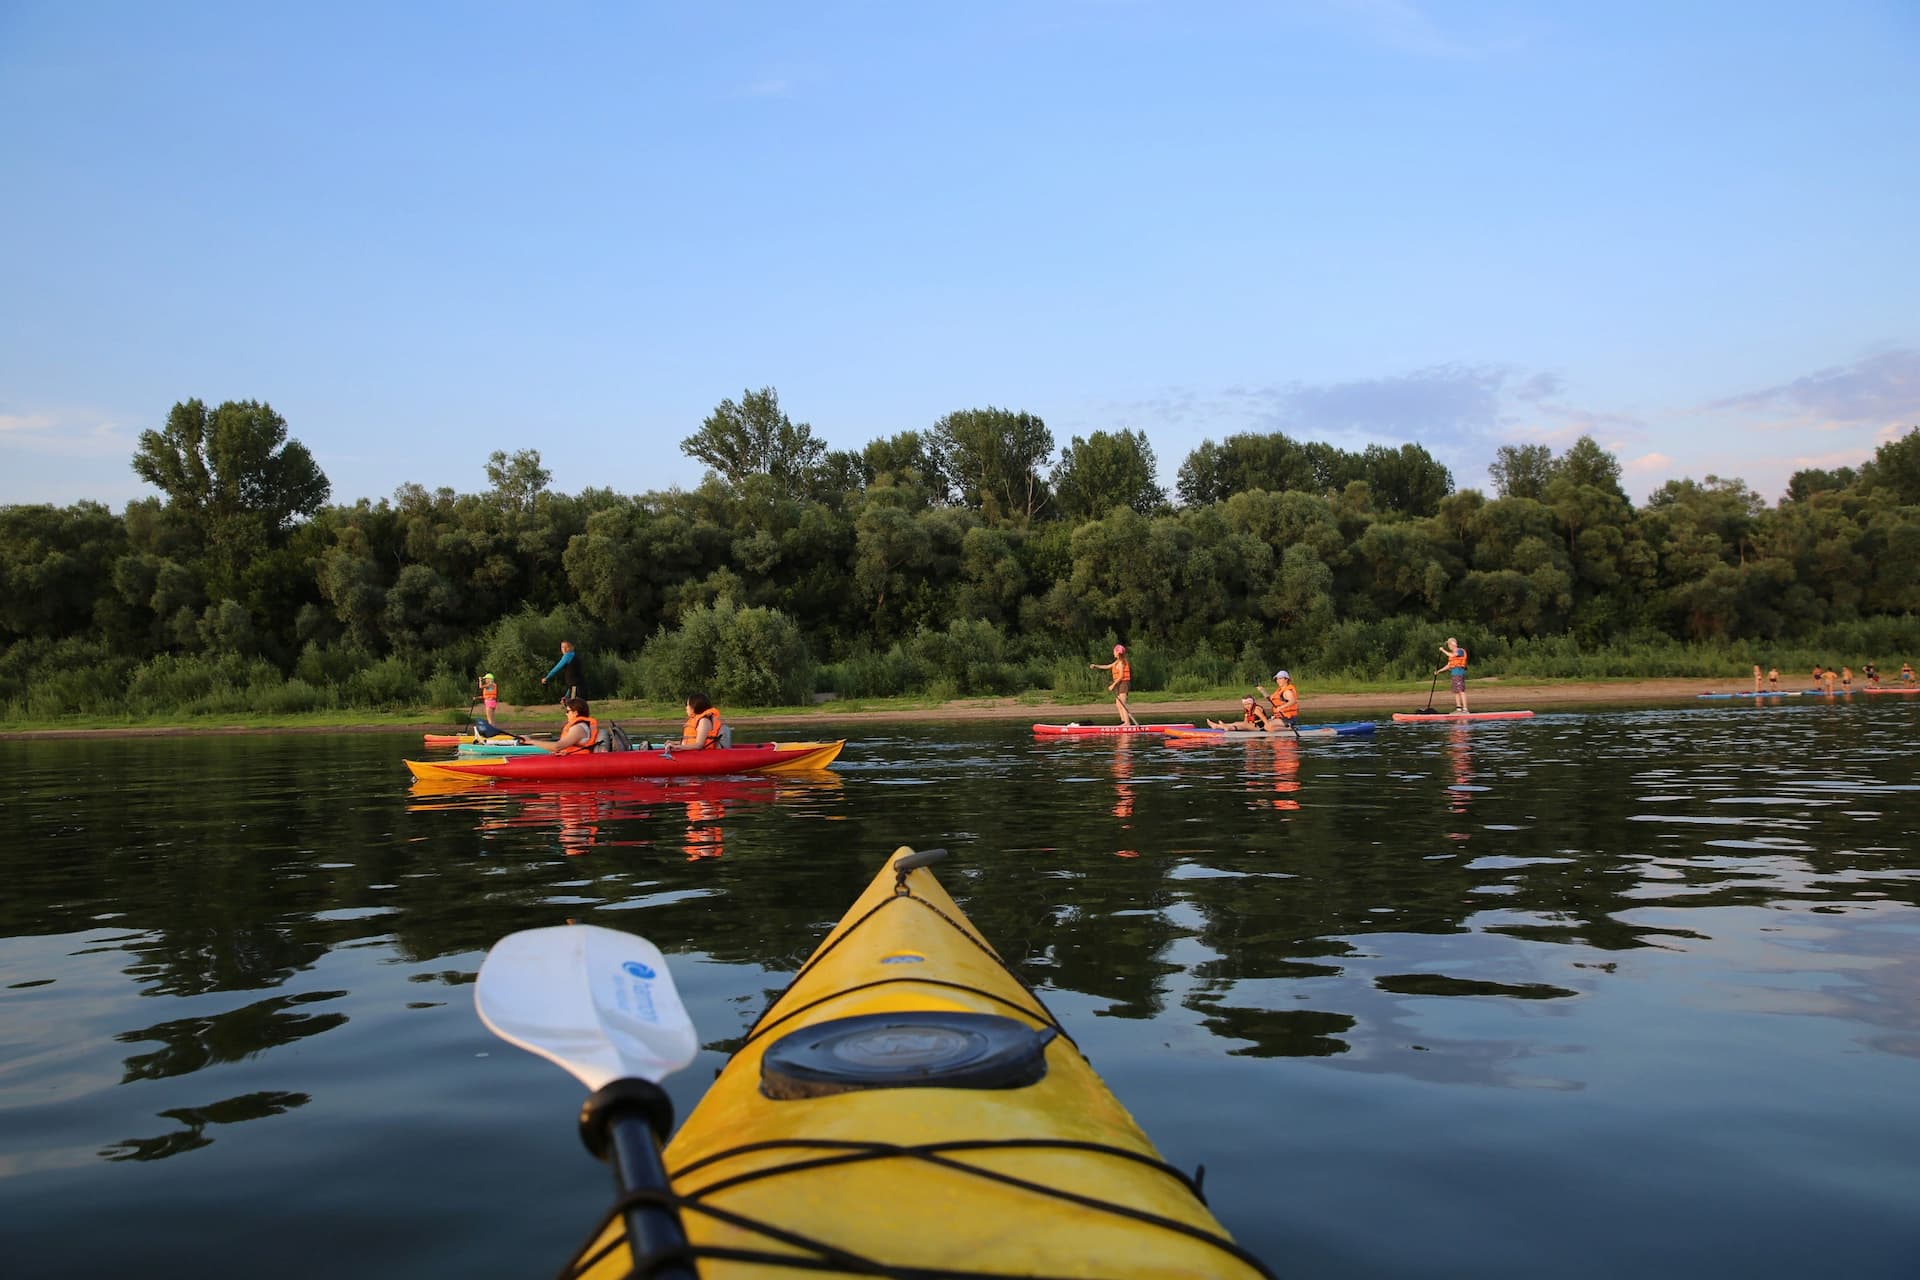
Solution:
(424, 232)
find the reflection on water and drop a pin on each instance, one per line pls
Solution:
(1587, 994)
(580, 816)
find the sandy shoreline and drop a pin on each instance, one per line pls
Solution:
(1491, 694)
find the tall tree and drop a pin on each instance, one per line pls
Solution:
(233, 475)
(517, 478)
(994, 457)
(755, 437)
(1104, 471)
(1407, 479)
(1521, 471)
(1895, 469)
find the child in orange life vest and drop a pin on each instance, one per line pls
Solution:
(1457, 667)
(702, 728)
(1252, 716)
(489, 694)
(576, 736)
(1122, 672)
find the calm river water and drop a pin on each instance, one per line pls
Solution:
(1605, 992)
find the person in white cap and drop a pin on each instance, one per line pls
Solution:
(1285, 699)
(1253, 716)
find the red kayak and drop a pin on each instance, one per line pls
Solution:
(1091, 730)
(766, 757)
(1422, 717)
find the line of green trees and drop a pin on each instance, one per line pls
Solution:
(971, 557)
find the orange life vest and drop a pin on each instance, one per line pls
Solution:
(1286, 701)
(1458, 658)
(691, 728)
(1122, 670)
(580, 748)
(1255, 716)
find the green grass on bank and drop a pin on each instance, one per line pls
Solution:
(428, 718)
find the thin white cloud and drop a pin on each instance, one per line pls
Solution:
(1408, 27)
(59, 433)
(1879, 391)
(1657, 462)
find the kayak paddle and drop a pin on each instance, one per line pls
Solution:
(602, 1004)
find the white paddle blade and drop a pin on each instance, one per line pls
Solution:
(598, 1002)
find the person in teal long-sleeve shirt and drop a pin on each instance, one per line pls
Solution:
(572, 673)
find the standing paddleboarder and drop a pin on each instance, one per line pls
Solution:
(1456, 668)
(1122, 672)
(572, 672)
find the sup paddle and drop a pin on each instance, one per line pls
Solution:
(1428, 709)
(602, 1004)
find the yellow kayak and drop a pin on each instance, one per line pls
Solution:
(909, 1107)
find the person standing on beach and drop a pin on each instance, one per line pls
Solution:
(1773, 677)
(572, 673)
(1756, 677)
(1846, 677)
(1456, 668)
(1872, 673)
(1122, 672)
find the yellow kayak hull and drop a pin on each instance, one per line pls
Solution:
(743, 1161)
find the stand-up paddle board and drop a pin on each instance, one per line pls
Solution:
(1345, 729)
(1438, 717)
(1771, 693)
(1093, 730)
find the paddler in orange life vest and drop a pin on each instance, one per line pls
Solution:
(702, 729)
(1122, 672)
(577, 736)
(1457, 667)
(1252, 716)
(1285, 699)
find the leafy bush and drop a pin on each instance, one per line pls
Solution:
(330, 666)
(389, 682)
(748, 657)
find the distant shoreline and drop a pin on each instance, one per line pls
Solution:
(1488, 694)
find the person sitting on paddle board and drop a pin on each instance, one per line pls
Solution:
(489, 694)
(1252, 716)
(1122, 672)
(702, 729)
(577, 736)
(1457, 668)
(1285, 699)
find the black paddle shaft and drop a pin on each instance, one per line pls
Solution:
(624, 1122)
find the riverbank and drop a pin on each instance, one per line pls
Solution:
(1485, 694)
